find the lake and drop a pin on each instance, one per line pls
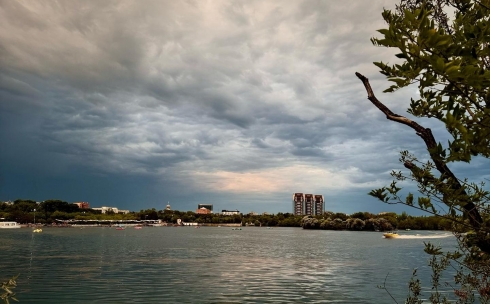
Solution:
(212, 264)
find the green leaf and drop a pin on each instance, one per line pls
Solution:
(439, 64)
(409, 199)
(452, 71)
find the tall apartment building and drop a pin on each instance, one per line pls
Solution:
(319, 204)
(308, 204)
(298, 201)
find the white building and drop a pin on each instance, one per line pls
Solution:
(104, 209)
(229, 212)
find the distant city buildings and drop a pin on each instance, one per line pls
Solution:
(207, 206)
(203, 210)
(308, 204)
(229, 212)
(111, 209)
(82, 205)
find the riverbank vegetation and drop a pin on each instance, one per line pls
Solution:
(365, 221)
(56, 211)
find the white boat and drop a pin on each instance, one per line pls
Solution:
(9, 225)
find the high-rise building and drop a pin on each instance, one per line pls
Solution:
(319, 204)
(298, 201)
(308, 204)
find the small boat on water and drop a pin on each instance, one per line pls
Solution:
(390, 235)
(9, 225)
(37, 230)
(120, 228)
(138, 227)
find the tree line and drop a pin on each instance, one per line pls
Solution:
(47, 212)
(365, 221)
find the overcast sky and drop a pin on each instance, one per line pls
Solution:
(133, 104)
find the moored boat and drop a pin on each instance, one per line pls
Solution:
(9, 225)
(37, 230)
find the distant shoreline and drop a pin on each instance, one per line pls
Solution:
(133, 225)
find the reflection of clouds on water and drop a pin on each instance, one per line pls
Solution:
(265, 277)
(308, 273)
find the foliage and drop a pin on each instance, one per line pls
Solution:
(444, 49)
(415, 290)
(451, 65)
(382, 222)
(7, 288)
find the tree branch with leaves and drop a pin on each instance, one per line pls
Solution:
(443, 47)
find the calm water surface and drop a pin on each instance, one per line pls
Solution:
(211, 265)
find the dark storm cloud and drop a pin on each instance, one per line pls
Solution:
(194, 101)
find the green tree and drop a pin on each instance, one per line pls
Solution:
(340, 215)
(25, 206)
(362, 215)
(444, 48)
(150, 214)
(48, 207)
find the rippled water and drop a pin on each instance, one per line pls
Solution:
(211, 265)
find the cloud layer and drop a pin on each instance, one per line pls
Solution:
(236, 103)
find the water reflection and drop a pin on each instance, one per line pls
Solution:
(209, 265)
